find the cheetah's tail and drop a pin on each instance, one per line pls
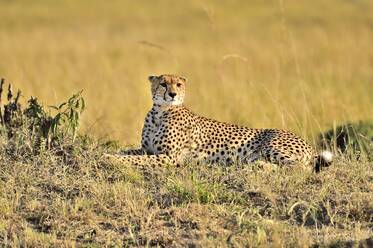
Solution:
(324, 159)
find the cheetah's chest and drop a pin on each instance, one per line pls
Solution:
(150, 130)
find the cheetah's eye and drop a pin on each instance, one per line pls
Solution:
(163, 85)
(178, 84)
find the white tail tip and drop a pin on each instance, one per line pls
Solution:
(327, 156)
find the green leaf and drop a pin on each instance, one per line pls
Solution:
(53, 107)
(61, 105)
(83, 104)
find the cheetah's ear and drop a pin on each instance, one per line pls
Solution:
(184, 79)
(152, 78)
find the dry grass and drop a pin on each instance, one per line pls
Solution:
(46, 201)
(299, 65)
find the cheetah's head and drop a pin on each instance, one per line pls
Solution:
(168, 89)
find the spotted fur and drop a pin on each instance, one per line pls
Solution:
(172, 134)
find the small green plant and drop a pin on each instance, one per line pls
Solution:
(62, 124)
(66, 120)
(50, 127)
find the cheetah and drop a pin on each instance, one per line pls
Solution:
(172, 134)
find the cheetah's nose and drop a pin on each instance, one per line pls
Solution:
(172, 94)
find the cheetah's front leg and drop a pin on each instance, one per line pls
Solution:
(142, 160)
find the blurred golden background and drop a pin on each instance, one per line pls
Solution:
(298, 65)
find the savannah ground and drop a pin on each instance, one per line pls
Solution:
(300, 65)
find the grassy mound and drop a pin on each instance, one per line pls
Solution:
(46, 200)
(66, 194)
